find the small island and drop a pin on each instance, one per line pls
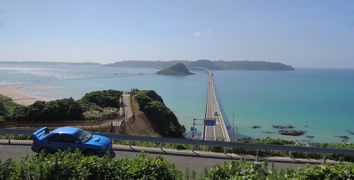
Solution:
(178, 69)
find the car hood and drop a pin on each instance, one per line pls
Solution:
(99, 140)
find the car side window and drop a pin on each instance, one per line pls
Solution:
(54, 138)
(66, 138)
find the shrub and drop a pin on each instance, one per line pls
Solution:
(256, 170)
(2, 109)
(101, 99)
(92, 115)
(62, 109)
(18, 114)
(66, 165)
(106, 113)
(109, 113)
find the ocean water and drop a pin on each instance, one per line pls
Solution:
(318, 101)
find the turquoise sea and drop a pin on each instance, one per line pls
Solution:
(318, 101)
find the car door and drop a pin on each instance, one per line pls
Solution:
(71, 142)
(56, 142)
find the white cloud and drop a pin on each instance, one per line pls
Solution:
(203, 33)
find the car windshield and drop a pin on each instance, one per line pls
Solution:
(84, 136)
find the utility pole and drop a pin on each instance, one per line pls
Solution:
(193, 132)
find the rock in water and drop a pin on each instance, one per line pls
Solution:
(291, 132)
(283, 127)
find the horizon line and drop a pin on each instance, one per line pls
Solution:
(92, 62)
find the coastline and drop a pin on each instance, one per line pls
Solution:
(13, 92)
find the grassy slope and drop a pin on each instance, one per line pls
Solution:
(9, 104)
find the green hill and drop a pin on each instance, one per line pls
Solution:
(178, 69)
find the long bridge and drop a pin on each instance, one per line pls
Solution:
(214, 124)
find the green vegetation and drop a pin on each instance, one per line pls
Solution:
(161, 117)
(105, 113)
(66, 165)
(74, 165)
(63, 109)
(97, 105)
(92, 106)
(7, 106)
(212, 65)
(178, 69)
(101, 104)
(98, 100)
(3, 110)
(259, 171)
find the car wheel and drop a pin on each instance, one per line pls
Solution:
(90, 152)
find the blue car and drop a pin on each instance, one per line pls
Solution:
(65, 138)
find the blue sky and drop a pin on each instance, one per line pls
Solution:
(303, 33)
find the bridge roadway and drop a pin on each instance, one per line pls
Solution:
(212, 111)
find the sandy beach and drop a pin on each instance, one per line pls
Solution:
(13, 92)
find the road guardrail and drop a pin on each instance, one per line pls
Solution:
(193, 142)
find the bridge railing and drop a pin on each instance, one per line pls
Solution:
(193, 142)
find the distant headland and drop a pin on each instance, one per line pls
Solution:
(209, 64)
(212, 65)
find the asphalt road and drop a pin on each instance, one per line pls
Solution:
(219, 131)
(128, 113)
(182, 162)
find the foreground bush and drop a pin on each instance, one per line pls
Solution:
(65, 165)
(259, 171)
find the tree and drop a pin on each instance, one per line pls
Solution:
(3, 110)
(36, 109)
(102, 99)
(18, 114)
(62, 109)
